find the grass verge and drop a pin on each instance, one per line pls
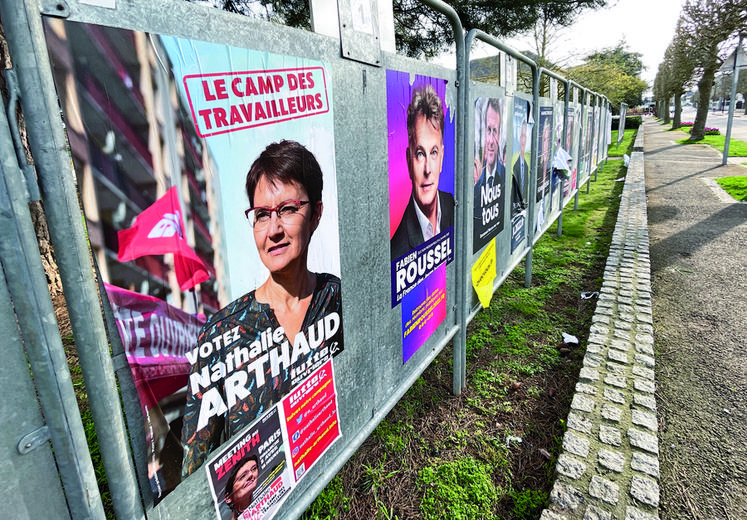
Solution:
(490, 453)
(735, 186)
(736, 148)
(625, 146)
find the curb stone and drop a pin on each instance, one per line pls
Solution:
(608, 468)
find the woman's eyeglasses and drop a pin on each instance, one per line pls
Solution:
(287, 211)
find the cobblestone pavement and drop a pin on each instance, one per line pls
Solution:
(664, 439)
(609, 466)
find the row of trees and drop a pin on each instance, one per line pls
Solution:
(707, 31)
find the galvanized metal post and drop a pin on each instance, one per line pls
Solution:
(27, 285)
(461, 223)
(567, 99)
(580, 138)
(23, 28)
(732, 103)
(532, 178)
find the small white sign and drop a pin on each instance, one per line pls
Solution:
(109, 4)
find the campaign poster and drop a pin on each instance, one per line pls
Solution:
(268, 124)
(420, 126)
(520, 170)
(489, 170)
(570, 140)
(249, 477)
(156, 338)
(595, 140)
(311, 419)
(544, 165)
(588, 132)
(149, 114)
(559, 158)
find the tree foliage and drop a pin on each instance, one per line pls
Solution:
(675, 73)
(420, 31)
(613, 72)
(706, 33)
(627, 61)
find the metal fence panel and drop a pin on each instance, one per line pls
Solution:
(32, 469)
(372, 377)
(373, 372)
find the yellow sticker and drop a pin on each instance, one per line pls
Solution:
(483, 274)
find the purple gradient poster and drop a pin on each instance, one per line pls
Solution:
(424, 308)
(421, 201)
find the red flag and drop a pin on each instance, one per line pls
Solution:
(158, 230)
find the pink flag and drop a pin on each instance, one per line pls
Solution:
(159, 230)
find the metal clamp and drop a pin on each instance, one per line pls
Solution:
(56, 8)
(33, 440)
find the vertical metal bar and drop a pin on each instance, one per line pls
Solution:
(567, 99)
(591, 141)
(27, 284)
(28, 170)
(532, 178)
(130, 399)
(578, 148)
(48, 145)
(460, 178)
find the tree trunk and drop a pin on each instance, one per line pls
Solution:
(704, 94)
(45, 247)
(667, 118)
(677, 122)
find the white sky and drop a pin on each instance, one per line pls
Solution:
(647, 26)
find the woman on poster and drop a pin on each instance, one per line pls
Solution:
(241, 484)
(255, 350)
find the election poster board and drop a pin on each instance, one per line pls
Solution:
(560, 162)
(421, 137)
(157, 113)
(249, 104)
(587, 143)
(521, 161)
(571, 146)
(490, 170)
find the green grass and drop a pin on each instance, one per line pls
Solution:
(437, 455)
(736, 148)
(626, 144)
(330, 503)
(463, 489)
(735, 186)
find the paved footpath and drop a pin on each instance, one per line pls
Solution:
(658, 425)
(698, 252)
